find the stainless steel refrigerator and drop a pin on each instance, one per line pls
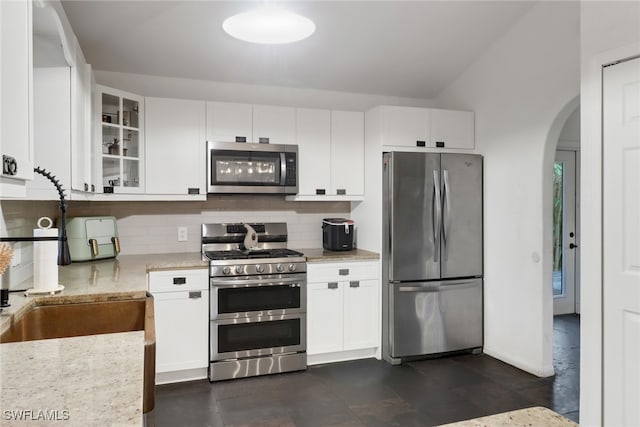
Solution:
(432, 254)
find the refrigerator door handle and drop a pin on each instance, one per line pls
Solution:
(447, 213)
(437, 218)
(438, 287)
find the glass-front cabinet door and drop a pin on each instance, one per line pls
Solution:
(120, 128)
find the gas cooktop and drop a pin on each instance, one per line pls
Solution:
(253, 254)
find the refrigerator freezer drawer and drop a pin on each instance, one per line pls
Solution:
(435, 317)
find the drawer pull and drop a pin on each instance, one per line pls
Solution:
(195, 294)
(333, 285)
(179, 280)
(343, 271)
(354, 284)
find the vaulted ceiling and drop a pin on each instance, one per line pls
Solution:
(398, 48)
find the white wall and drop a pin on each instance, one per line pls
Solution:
(171, 87)
(570, 135)
(609, 31)
(522, 90)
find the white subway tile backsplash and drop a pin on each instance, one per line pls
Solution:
(151, 227)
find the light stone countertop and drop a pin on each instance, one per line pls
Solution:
(530, 417)
(98, 379)
(80, 381)
(124, 277)
(323, 255)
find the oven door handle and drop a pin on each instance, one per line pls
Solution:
(268, 282)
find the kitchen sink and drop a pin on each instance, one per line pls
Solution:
(77, 319)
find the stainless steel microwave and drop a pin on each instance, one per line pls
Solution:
(237, 167)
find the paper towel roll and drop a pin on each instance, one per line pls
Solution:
(45, 259)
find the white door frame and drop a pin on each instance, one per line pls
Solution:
(566, 303)
(621, 260)
(591, 346)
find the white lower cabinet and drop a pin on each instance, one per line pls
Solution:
(343, 311)
(325, 322)
(360, 314)
(181, 306)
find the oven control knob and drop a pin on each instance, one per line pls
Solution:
(259, 268)
(226, 270)
(292, 267)
(239, 269)
(280, 268)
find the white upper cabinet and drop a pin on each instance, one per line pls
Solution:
(81, 123)
(274, 125)
(120, 141)
(424, 128)
(406, 126)
(330, 155)
(313, 135)
(233, 122)
(16, 97)
(175, 147)
(452, 129)
(229, 122)
(62, 107)
(347, 153)
(51, 131)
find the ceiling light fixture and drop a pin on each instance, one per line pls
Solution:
(269, 25)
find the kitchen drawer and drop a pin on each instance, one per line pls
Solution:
(341, 271)
(178, 280)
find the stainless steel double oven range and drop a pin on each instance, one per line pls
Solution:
(257, 301)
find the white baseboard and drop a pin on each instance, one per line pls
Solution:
(179, 376)
(545, 371)
(341, 356)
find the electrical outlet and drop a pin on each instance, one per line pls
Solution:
(182, 234)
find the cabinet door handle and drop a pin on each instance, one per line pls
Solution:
(93, 188)
(86, 187)
(195, 294)
(420, 143)
(354, 284)
(343, 272)
(321, 191)
(263, 140)
(341, 191)
(241, 139)
(440, 144)
(179, 280)
(332, 285)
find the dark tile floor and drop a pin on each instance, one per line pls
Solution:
(373, 393)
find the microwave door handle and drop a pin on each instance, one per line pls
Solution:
(283, 169)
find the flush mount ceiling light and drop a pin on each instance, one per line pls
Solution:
(269, 25)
